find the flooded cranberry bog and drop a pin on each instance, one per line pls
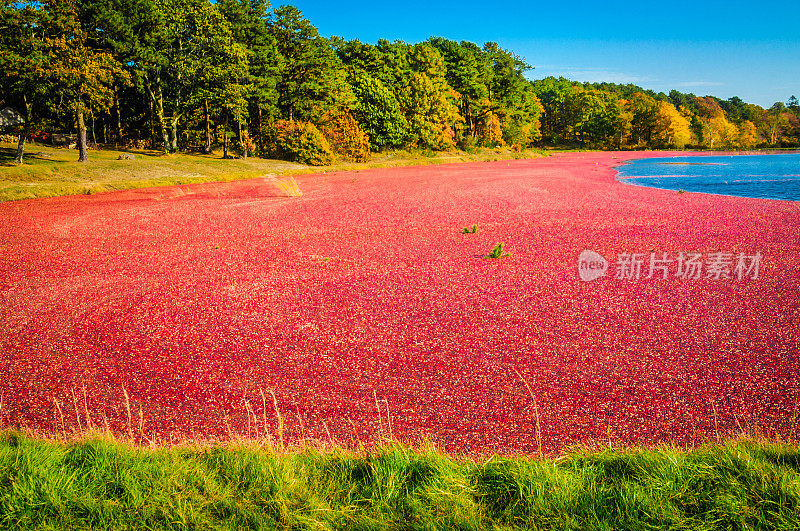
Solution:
(360, 310)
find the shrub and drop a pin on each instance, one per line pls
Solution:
(347, 138)
(246, 145)
(299, 142)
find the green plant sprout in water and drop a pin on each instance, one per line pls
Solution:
(497, 252)
(468, 230)
(681, 191)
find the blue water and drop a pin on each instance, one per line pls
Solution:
(774, 176)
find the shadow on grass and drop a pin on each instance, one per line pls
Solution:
(7, 156)
(35, 153)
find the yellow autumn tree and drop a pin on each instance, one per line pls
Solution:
(717, 130)
(748, 135)
(672, 128)
(488, 130)
(726, 132)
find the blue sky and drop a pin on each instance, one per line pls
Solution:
(750, 50)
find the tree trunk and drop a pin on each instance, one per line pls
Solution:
(773, 131)
(119, 117)
(21, 144)
(173, 134)
(152, 135)
(260, 134)
(83, 151)
(206, 119)
(157, 97)
(26, 127)
(225, 137)
(241, 140)
(94, 137)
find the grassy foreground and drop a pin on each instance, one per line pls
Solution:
(100, 483)
(49, 171)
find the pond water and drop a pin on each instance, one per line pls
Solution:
(772, 176)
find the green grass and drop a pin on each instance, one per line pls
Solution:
(100, 483)
(49, 171)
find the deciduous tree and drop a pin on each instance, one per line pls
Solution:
(25, 80)
(748, 135)
(82, 76)
(671, 127)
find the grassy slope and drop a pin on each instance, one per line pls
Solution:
(58, 172)
(105, 484)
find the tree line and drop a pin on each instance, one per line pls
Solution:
(243, 77)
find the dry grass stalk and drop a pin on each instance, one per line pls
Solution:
(287, 185)
(264, 411)
(330, 437)
(280, 418)
(89, 423)
(108, 432)
(378, 407)
(738, 424)
(247, 412)
(535, 412)
(143, 437)
(61, 414)
(77, 414)
(251, 412)
(388, 418)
